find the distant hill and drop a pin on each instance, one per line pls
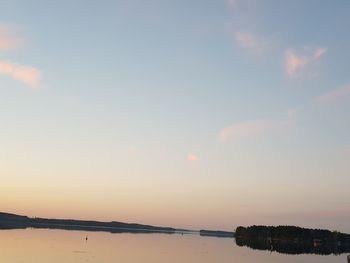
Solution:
(12, 221)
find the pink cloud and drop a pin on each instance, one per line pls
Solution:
(191, 157)
(249, 41)
(319, 53)
(27, 75)
(334, 95)
(243, 129)
(9, 40)
(257, 127)
(295, 63)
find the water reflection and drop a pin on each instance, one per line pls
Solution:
(294, 248)
(57, 246)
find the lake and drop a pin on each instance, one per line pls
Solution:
(58, 246)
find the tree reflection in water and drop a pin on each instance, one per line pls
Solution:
(290, 247)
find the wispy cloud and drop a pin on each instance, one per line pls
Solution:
(191, 157)
(244, 129)
(334, 95)
(295, 63)
(250, 42)
(318, 53)
(232, 3)
(9, 39)
(256, 127)
(25, 74)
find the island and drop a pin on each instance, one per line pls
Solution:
(293, 239)
(216, 233)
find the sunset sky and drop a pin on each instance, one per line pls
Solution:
(197, 114)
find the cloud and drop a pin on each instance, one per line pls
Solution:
(257, 127)
(25, 74)
(319, 53)
(295, 63)
(249, 41)
(333, 96)
(191, 157)
(243, 129)
(232, 3)
(9, 40)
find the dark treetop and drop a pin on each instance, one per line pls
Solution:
(293, 240)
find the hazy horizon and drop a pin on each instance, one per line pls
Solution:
(189, 114)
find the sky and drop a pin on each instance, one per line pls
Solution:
(196, 114)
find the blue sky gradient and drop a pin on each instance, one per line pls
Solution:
(186, 113)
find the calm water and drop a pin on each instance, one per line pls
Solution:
(43, 246)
